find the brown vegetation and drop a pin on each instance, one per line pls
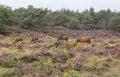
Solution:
(58, 43)
(24, 59)
(34, 39)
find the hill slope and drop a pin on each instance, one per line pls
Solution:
(40, 58)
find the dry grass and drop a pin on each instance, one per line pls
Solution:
(67, 60)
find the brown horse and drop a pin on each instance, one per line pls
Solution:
(17, 39)
(83, 39)
(63, 37)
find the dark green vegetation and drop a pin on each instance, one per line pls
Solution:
(40, 58)
(31, 18)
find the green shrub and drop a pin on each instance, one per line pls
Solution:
(43, 62)
(9, 62)
(72, 73)
(76, 73)
(2, 29)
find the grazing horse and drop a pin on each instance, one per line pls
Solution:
(83, 39)
(17, 39)
(62, 37)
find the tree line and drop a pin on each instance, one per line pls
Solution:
(31, 18)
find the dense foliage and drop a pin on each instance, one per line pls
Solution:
(31, 18)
